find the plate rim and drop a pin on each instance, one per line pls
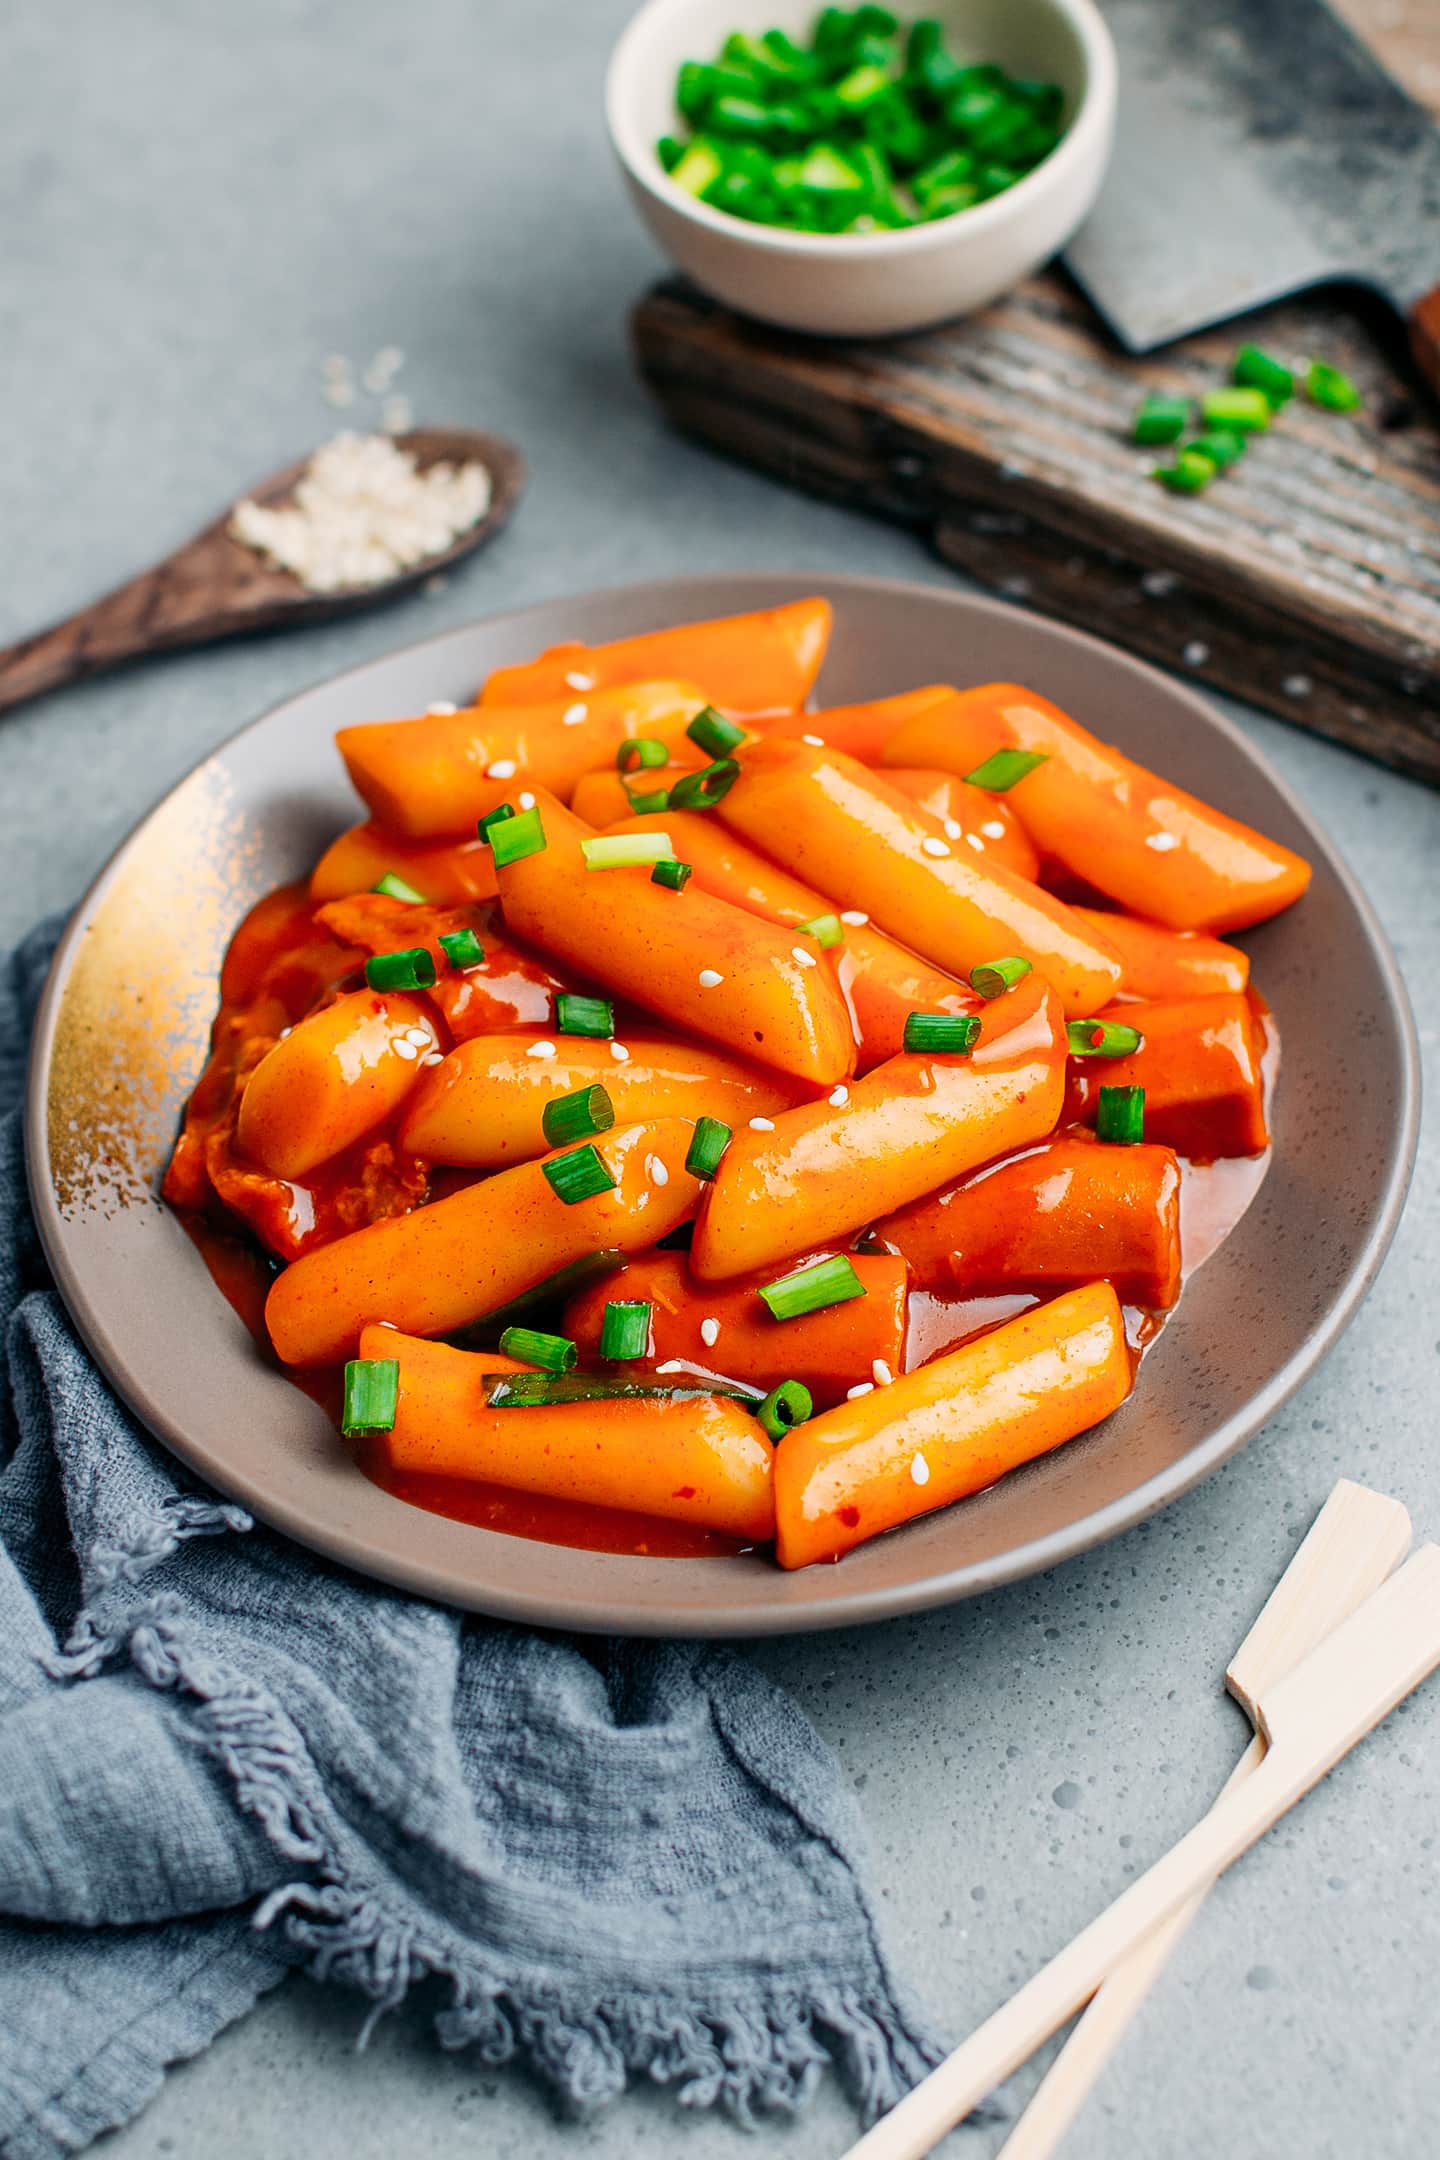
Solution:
(845, 1608)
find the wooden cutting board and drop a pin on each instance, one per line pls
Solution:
(1306, 579)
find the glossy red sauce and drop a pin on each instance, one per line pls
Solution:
(287, 958)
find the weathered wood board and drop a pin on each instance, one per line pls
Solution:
(1306, 579)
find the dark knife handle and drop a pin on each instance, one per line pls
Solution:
(1425, 336)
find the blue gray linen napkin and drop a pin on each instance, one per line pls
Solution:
(220, 1757)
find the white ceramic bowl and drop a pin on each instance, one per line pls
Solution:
(868, 284)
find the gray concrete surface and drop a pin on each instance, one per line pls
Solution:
(198, 203)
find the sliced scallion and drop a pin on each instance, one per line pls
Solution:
(625, 1328)
(711, 732)
(517, 837)
(994, 977)
(638, 752)
(1003, 768)
(785, 1407)
(1102, 1038)
(811, 1289)
(580, 1175)
(1120, 1116)
(461, 948)
(486, 825)
(624, 851)
(1160, 420)
(1243, 409)
(1256, 370)
(949, 1034)
(576, 1015)
(646, 805)
(411, 969)
(1190, 474)
(711, 1139)
(576, 1116)
(702, 790)
(537, 1391)
(1331, 387)
(827, 930)
(372, 1396)
(552, 1353)
(394, 887)
(675, 875)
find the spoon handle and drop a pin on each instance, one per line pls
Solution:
(125, 623)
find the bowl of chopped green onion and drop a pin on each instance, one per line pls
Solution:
(857, 172)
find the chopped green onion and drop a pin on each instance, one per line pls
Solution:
(625, 1329)
(576, 1116)
(1003, 768)
(950, 1034)
(517, 837)
(580, 1175)
(699, 168)
(1120, 1115)
(1331, 387)
(675, 875)
(784, 1407)
(702, 1158)
(537, 1391)
(461, 948)
(576, 1015)
(1102, 1038)
(1245, 410)
(395, 888)
(639, 751)
(711, 732)
(995, 977)
(1221, 445)
(553, 1353)
(1258, 371)
(486, 825)
(623, 851)
(412, 969)
(702, 790)
(643, 805)
(811, 1289)
(827, 930)
(1189, 475)
(372, 1396)
(1160, 420)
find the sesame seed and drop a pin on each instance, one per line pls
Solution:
(839, 1097)
(802, 958)
(709, 1333)
(1195, 654)
(526, 800)
(421, 1037)
(972, 839)
(862, 1387)
(573, 715)
(383, 369)
(762, 1124)
(436, 1057)
(709, 978)
(993, 829)
(504, 768)
(1162, 842)
(953, 828)
(855, 918)
(541, 1050)
(1297, 686)
(620, 1054)
(404, 1048)
(673, 1364)
(659, 1175)
(920, 1470)
(362, 511)
(881, 1373)
(441, 705)
(934, 847)
(816, 742)
(576, 681)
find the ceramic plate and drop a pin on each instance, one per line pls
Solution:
(122, 1035)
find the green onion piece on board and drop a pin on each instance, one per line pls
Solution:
(517, 837)
(395, 888)
(1258, 371)
(712, 1137)
(1003, 768)
(623, 851)
(950, 1034)
(625, 1329)
(580, 1175)
(412, 969)
(711, 732)
(994, 977)
(785, 1407)
(1222, 446)
(702, 790)
(644, 805)
(1120, 1116)
(486, 825)
(461, 948)
(1242, 409)
(1189, 475)
(576, 1015)
(1102, 1038)
(372, 1396)
(811, 1289)
(827, 930)
(553, 1353)
(576, 1116)
(1160, 420)
(1331, 387)
(675, 875)
(639, 751)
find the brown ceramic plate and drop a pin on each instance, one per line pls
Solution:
(122, 1034)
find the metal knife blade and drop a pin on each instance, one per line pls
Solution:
(1260, 149)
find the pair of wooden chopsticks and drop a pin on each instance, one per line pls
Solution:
(1342, 1639)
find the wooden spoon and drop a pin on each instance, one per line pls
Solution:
(214, 586)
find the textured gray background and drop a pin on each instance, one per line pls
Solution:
(200, 201)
